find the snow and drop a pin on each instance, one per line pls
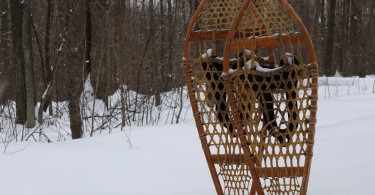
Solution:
(248, 53)
(249, 64)
(163, 160)
(46, 91)
(207, 54)
(259, 68)
(290, 58)
(344, 155)
(168, 159)
(231, 71)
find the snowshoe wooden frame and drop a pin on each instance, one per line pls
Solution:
(255, 115)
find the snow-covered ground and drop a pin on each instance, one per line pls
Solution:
(168, 159)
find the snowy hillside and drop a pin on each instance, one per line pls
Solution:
(168, 159)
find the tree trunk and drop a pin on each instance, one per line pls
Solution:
(19, 59)
(319, 31)
(75, 54)
(329, 68)
(162, 59)
(29, 73)
(48, 67)
(170, 46)
(362, 39)
(75, 114)
(343, 44)
(88, 29)
(4, 31)
(6, 72)
(47, 71)
(155, 72)
(370, 57)
(354, 38)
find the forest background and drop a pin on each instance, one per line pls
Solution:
(49, 48)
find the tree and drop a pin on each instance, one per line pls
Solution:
(29, 72)
(6, 72)
(47, 69)
(19, 59)
(74, 60)
(329, 68)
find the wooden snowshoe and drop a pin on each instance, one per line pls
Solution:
(251, 74)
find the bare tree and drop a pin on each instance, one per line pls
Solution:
(29, 72)
(19, 59)
(6, 72)
(329, 68)
(75, 56)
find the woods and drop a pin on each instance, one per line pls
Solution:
(342, 33)
(49, 49)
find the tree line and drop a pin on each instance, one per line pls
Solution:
(49, 48)
(342, 32)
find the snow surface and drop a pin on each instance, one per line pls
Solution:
(258, 67)
(207, 54)
(168, 159)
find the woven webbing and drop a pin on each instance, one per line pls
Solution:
(256, 120)
(266, 17)
(219, 14)
(275, 111)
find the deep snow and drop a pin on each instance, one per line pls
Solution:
(168, 160)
